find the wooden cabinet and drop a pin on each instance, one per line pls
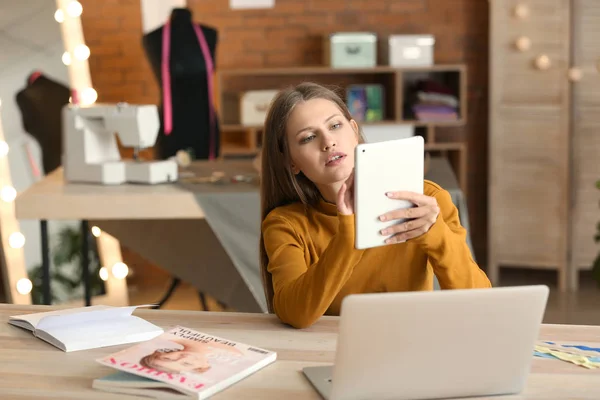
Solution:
(544, 147)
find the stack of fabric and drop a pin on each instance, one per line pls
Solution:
(434, 102)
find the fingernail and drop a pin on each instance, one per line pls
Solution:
(388, 194)
(382, 218)
(384, 232)
(388, 241)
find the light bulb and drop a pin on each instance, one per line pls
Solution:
(24, 286)
(103, 273)
(74, 9)
(3, 148)
(66, 58)
(96, 231)
(88, 96)
(16, 240)
(120, 270)
(81, 52)
(59, 16)
(8, 194)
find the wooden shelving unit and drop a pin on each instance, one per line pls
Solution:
(239, 140)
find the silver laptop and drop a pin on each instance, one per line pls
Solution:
(431, 345)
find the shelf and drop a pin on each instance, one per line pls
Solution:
(399, 94)
(460, 122)
(232, 150)
(320, 69)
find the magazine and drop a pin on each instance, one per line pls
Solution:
(192, 363)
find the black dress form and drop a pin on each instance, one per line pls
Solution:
(41, 103)
(189, 87)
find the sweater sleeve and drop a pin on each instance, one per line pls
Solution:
(303, 293)
(447, 250)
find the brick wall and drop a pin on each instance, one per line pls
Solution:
(113, 32)
(290, 34)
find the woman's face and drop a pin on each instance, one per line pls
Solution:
(321, 142)
(181, 361)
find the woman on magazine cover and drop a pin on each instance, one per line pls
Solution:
(308, 259)
(189, 356)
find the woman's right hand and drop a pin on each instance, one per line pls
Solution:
(345, 197)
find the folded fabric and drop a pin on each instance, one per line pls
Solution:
(434, 108)
(437, 98)
(577, 359)
(427, 116)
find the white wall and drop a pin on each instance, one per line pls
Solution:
(156, 12)
(29, 40)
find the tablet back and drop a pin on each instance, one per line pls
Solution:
(382, 167)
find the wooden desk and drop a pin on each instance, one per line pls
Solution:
(32, 369)
(164, 223)
(167, 224)
(53, 199)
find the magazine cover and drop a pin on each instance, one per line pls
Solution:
(191, 361)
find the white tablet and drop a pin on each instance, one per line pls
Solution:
(382, 167)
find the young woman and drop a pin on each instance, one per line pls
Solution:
(308, 258)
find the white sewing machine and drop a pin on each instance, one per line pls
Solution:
(90, 151)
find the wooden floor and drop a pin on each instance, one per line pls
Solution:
(581, 308)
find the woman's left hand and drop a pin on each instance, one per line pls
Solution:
(419, 219)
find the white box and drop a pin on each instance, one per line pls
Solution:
(254, 105)
(350, 50)
(408, 51)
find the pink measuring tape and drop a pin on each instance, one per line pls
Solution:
(166, 83)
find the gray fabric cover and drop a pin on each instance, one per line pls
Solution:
(233, 213)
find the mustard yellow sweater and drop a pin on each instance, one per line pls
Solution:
(314, 264)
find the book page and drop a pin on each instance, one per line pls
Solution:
(35, 318)
(83, 316)
(189, 360)
(101, 333)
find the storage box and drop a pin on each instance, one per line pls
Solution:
(350, 50)
(407, 51)
(254, 105)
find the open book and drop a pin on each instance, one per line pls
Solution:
(85, 328)
(181, 363)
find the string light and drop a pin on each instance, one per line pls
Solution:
(66, 58)
(81, 52)
(77, 56)
(59, 16)
(74, 9)
(120, 270)
(8, 194)
(103, 274)
(3, 148)
(76, 52)
(88, 96)
(13, 260)
(24, 286)
(16, 240)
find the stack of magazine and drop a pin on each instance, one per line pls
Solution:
(181, 363)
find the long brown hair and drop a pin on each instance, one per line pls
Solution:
(279, 185)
